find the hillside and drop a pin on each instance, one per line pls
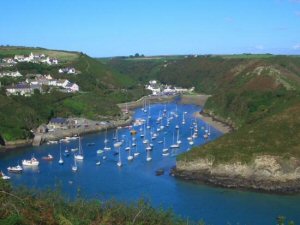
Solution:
(260, 97)
(100, 90)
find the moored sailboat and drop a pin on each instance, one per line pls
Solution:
(79, 156)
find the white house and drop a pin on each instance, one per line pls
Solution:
(20, 58)
(72, 87)
(62, 83)
(68, 70)
(10, 74)
(51, 61)
(155, 91)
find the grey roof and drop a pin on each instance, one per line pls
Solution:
(58, 120)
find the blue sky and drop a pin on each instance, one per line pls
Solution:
(153, 27)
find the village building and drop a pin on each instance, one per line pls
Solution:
(67, 70)
(158, 89)
(19, 89)
(62, 83)
(72, 87)
(10, 74)
(57, 123)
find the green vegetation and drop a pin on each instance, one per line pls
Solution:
(11, 51)
(24, 207)
(258, 94)
(100, 90)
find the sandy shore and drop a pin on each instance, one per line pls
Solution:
(224, 128)
(197, 99)
(150, 99)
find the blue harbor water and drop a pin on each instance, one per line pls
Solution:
(136, 179)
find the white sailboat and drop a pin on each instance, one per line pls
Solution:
(136, 153)
(165, 149)
(133, 144)
(60, 161)
(79, 156)
(145, 106)
(165, 110)
(105, 139)
(74, 167)
(178, 139)
(183, 119)
(174, 145)
(148, 125)
(148, 158)
(119, 163)
(149, 108)
(130, 157)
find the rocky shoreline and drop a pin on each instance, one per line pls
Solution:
(217, 123)
(265, 173)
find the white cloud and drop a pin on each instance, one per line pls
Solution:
(296, 46)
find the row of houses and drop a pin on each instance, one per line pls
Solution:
(27, 88)
(10, 74)
(33, 58)
(159, 89)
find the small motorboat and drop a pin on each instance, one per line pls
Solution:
(3, 176)
(98, 163)
(100, 151)
(15, 169)
(32, 162)
(79, 157)
(49, 157)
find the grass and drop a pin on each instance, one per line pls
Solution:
(277, 135)
(60, 55)
(25, 207)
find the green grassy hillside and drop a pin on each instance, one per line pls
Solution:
(100, 90)
(24, 207)
(259, 94)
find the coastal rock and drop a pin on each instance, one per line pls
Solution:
(266, 173)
